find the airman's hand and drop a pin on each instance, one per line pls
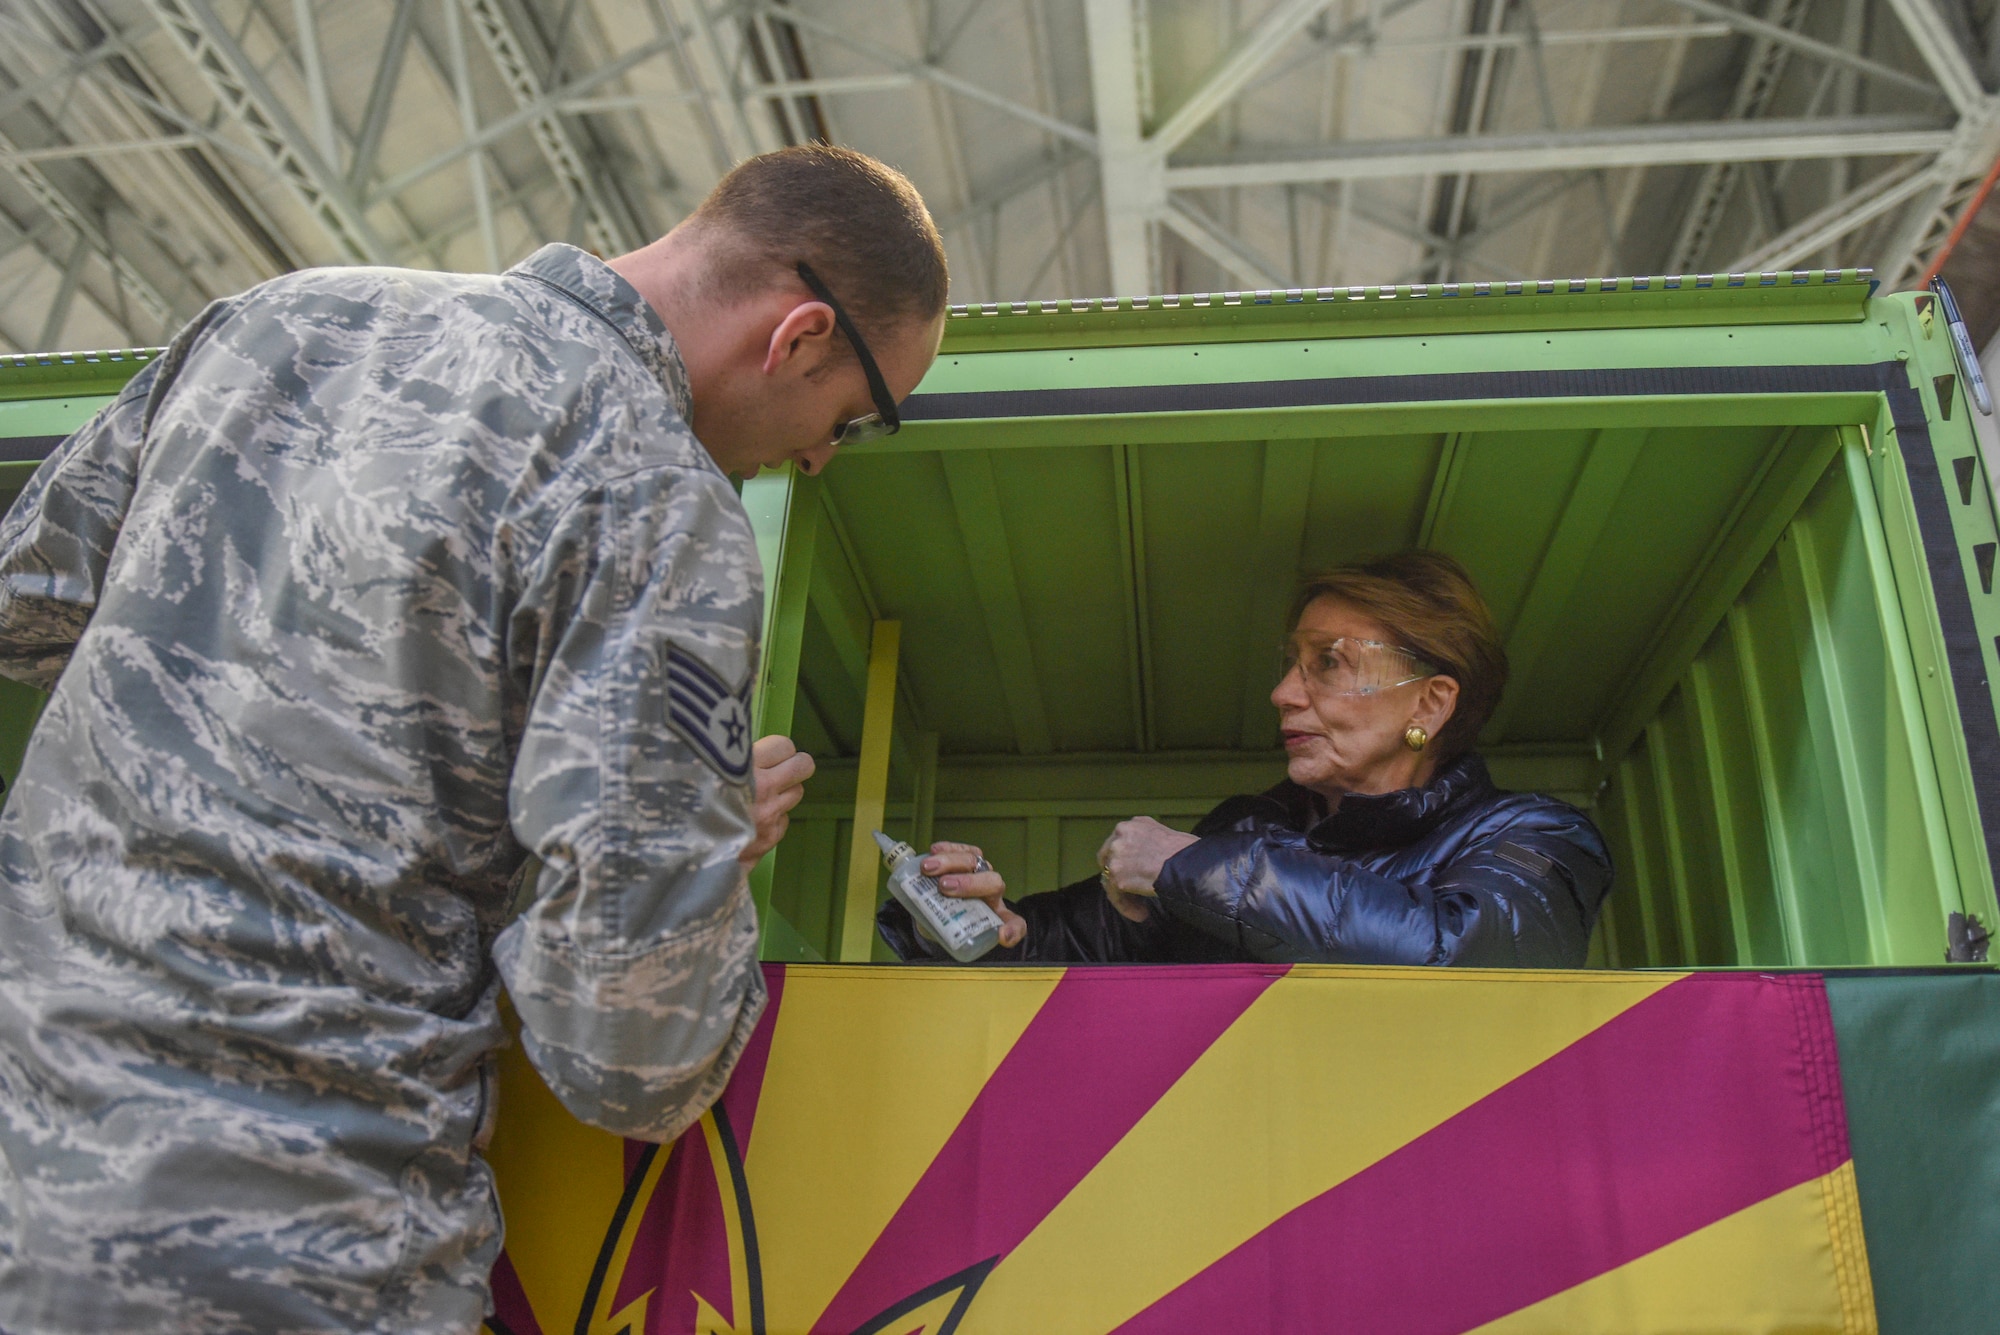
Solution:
(782, 770)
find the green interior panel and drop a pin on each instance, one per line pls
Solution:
(1778, 806)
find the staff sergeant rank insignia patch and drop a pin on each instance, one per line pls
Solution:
(711, 715)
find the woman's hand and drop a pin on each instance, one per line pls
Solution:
(1132, 857)
(956, 869)
(782, 770)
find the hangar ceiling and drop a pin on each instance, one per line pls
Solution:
(159, 153)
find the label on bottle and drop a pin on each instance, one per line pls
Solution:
(957, 921)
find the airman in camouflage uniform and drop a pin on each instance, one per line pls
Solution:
(371, 586)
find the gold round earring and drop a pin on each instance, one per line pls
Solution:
(1415, 737)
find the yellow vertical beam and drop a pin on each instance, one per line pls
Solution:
(871, 793)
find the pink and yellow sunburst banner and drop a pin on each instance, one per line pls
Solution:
(1216, 1148)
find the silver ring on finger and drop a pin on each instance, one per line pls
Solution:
(981, 866)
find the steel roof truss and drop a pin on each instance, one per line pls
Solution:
(1133, 192)
(609, 227)
(1575, 150)
(381, 95)
(1875, 197)
(231, 75)
(493, 131)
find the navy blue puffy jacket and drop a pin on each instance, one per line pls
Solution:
(1456, 872)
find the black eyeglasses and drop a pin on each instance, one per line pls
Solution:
(883, 421)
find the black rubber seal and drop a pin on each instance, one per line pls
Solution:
(28, 449)
(1350, 391)
(1963, 653)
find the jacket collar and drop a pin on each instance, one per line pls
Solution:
(596, 286)
(1387, 820)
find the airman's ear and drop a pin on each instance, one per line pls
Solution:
(805, 334)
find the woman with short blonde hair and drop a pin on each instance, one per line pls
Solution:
(1387, 841)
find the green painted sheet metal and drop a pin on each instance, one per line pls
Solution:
(1788, 780)
(57, 375)
(1704, 299)
(1920, 1069)
(20, 707)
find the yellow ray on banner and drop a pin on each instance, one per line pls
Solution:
(1338, 1043)
(1772, 1269)
(570, 1175)
(843, 1133)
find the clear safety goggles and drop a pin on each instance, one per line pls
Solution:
(884, 420)
(1345, 665)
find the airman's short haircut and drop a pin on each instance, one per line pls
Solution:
(859, 223)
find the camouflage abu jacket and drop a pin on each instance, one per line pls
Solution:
(374, 584)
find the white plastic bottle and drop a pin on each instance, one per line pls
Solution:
(966, 928)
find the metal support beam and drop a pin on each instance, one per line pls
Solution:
(235, 80)
(102, 149)
(1877, 196)
(1797, 41)
(930, 73)
(381, 95)
(468, 124)
(1134, 172)
(1755, 88)
(1233, 73)
(71, 67)
(58, 316)
(1941, 51)
(1933, 215)
(1210, 239)
(82, 227)
(495, 130)
(245, 218)
(1576, 150)
(1062, 209)
(1471, 114)
(1084, 199)
(314, 66)
(846, 83)
(1011, 187)
(1463, 41)
(608, 225)
(1132, 183)
(708, 66)
(439, 236)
